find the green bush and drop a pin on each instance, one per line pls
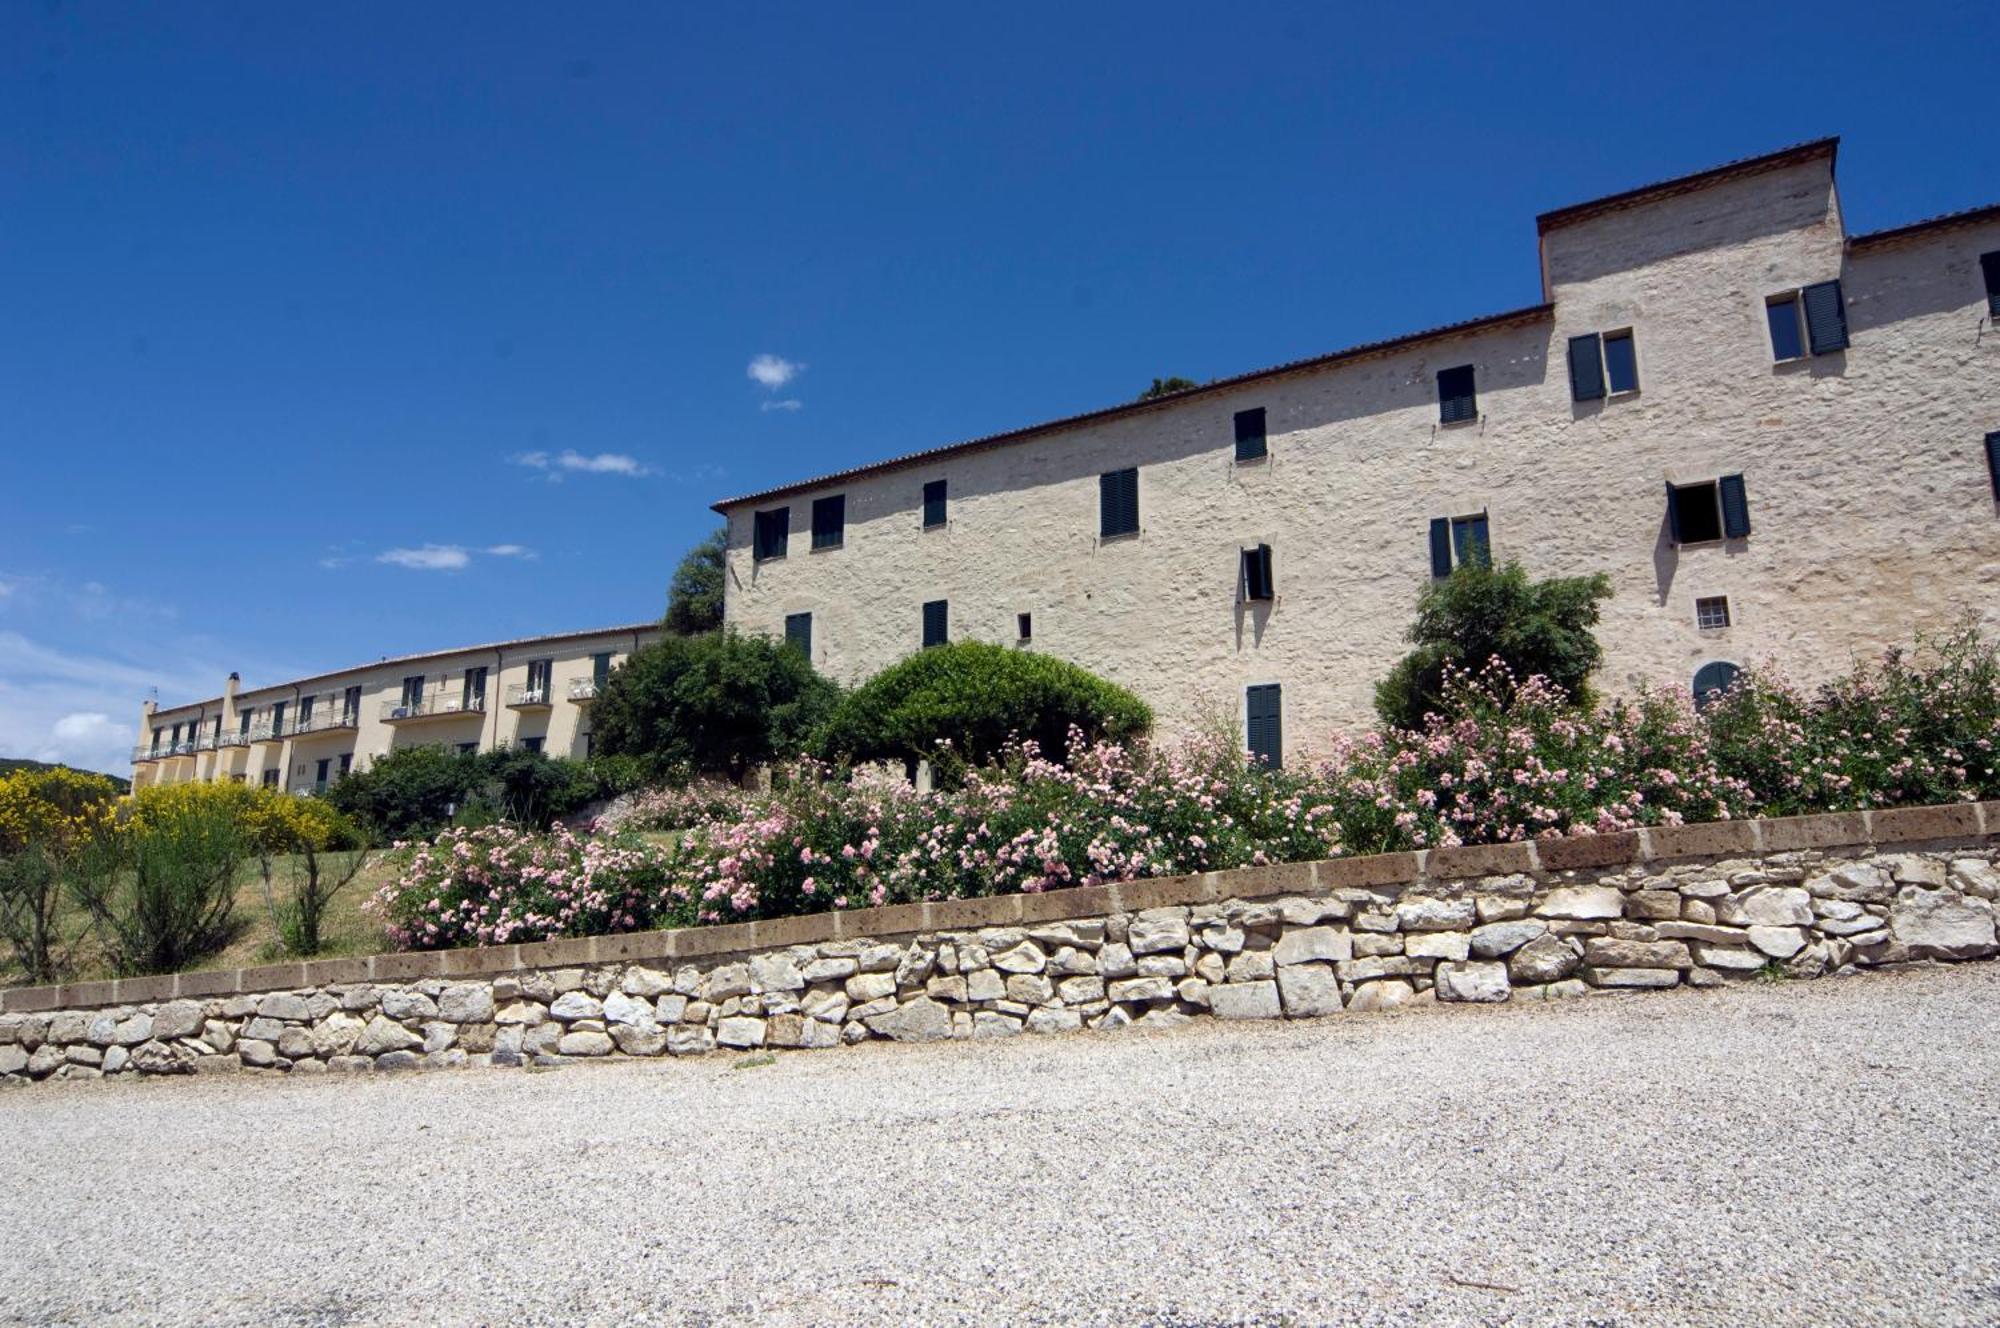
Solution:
(977, 697)
(414, 792)
(714, 704)
(162, 892)
(1479, 614)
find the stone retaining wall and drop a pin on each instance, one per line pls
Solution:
(1694, 905)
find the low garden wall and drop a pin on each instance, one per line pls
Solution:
(1696, 905)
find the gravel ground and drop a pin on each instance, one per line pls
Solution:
(1809, 1153)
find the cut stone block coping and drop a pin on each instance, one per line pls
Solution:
(1435, 872)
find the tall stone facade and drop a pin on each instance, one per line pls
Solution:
(1870, 505)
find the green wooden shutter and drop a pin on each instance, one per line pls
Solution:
(1458, 398)
(1826, 317)
(1586, 368)
(1440, 548)
(934, 510)
(1673, 514)
(799, 632)
(1993, 462)
(1263, 716)
(1735, 507)
(1250, 434)
(935, 623)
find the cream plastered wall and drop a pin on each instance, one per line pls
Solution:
(1871, 510)
(562, 725)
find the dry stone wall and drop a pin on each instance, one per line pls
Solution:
(1696, 906)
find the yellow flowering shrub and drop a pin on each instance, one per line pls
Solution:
(274, 822)
(58, 809)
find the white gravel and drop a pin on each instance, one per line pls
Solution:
(1811, 1153)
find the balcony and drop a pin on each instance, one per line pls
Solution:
(266, 731)
(584, 689)
(331, 720)
(237, 739)
(432, 707)
(147, 752)
(528, 696)
(205, 743)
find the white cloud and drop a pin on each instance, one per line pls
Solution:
(440, 557)
(789, 403)
(428, 558)
(557, 464)
(774, 371)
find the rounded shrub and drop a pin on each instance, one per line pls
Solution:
(977, 697)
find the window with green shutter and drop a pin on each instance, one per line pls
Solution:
(1459, 541)
(1586, 368)
(934, 508)
(1250, 442)
(830, 521)
(1993, 462)
(1258, 580)
(771, 532)
(1264, 724)
(799, 632)
(1118, 503)
(1826, 317)
(1458, 399)
(935, 623)
(1989, 270)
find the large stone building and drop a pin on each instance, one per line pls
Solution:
(303, 735)
(1778, 439)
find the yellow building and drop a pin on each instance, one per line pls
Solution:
(305, 734)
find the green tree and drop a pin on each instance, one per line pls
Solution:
(694, 599)
(162, 892)
(1481, 612)
(977, 696)
(719, 703)
(1162, 386)
(408, 793)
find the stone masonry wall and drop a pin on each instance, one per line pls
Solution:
(1696, 905)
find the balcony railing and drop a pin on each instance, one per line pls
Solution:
(584, 689)
(524, 696)
(265, 730)
(326, 721)
(146, 751)
(205, 743)
(432, 707)
(237, 738)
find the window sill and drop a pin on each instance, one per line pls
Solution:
(827, 548)
(1122, 538)
(1253, 461)
(767, 558)
(940, 526)
(1461, 424)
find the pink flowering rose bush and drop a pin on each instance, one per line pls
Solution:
(1515, 760)
(496, 885)
(1911, 728)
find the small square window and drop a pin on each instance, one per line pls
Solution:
(1024, 626)
(1457, 398)
(830, 521)
(934, 509)
(1250, 443)
(1712, 613)
(1788, 340)
(1621, 362)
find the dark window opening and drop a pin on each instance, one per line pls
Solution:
(1457, 399)
(830, 521)
(1787, 340)
(532, 744)
(934, 511)
(1250, 441)
(1698, 513)
(799, 632)
(1024, 626)
(270, 779)
(1263, 724)
(772, 533)
(1118, 503)
(1989, 269)
(1621, 362)
(1993, 462)
(1459, 541)
(935, 622)
(1259, 582)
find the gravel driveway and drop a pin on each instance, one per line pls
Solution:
(1810, 1153)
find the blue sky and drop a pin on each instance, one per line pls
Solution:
(341, 331)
